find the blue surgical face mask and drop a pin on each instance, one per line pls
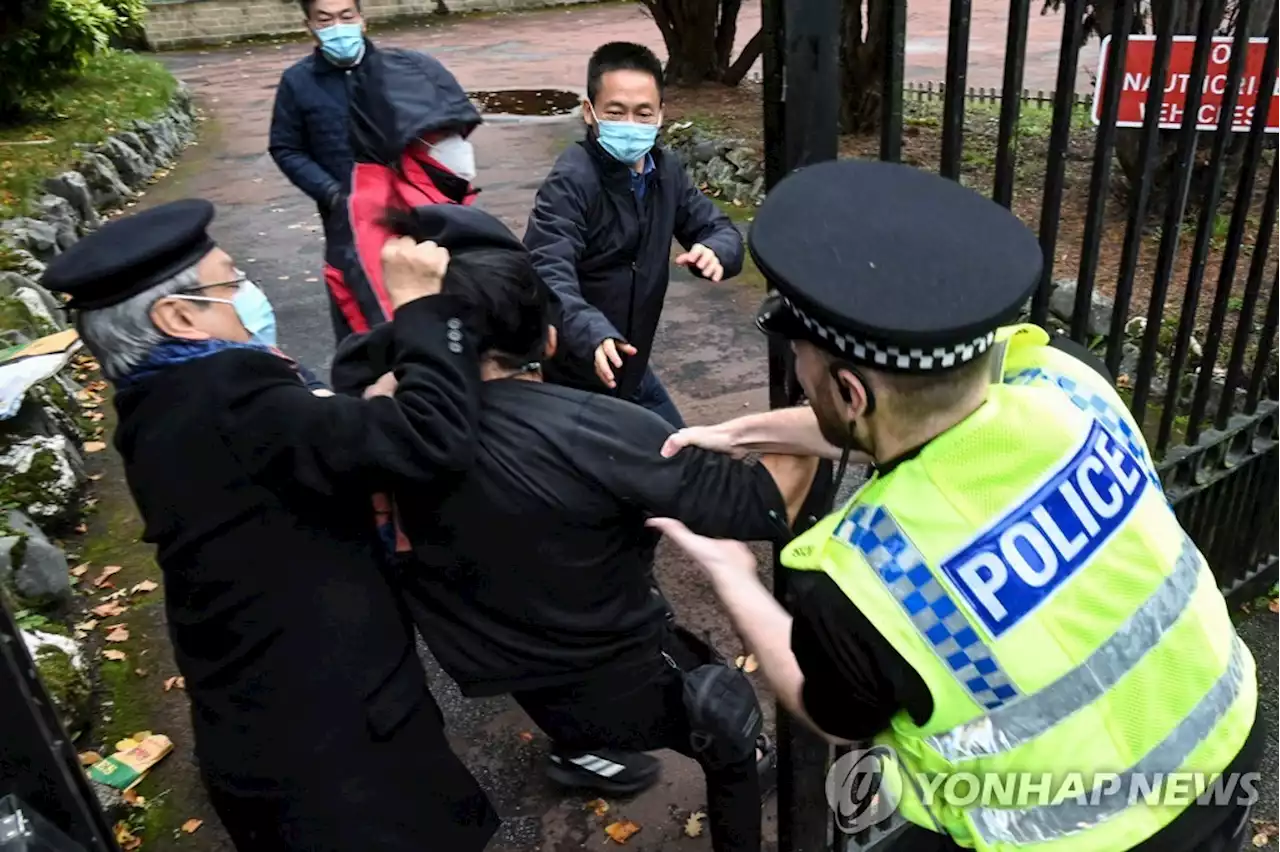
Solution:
(626, 141)
(342, 44)
(252, 307)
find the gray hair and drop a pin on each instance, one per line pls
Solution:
(121, 336)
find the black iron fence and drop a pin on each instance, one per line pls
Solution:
(1170, 231)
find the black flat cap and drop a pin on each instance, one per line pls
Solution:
(890, 266)
(131, 254)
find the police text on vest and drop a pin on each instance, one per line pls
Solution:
(1013, 566)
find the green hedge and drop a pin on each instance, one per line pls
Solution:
(48, 45)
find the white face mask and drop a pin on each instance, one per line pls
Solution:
(457, 155)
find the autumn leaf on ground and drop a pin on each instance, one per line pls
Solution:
(114, 656)
(94, 446)
(599, 806)
(95, 477)
(125, 838)
(107, 572)
(144, 586)
(527, 736)
(748, 663)
(1274, 606)
(108, 610)
(693, 825)
(191, 825)
(80, 570)
(87, 625)
(178, 682)
(620, 832)
(82, 528)
(132, 798)
(1260, 839)
(118, 633)
(89, 758)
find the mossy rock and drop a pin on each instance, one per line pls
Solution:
(16, 316)
(67, 686)
(39, 475)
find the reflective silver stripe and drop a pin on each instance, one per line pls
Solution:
(1043, 823)
(1013, 724)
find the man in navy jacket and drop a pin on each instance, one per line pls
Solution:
(601, 228)
(310, 133)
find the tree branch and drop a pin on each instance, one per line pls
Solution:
(750, 53)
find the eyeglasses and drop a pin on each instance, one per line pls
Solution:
(234, 282)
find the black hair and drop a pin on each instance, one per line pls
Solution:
(622, 56)
(510, 305)
(307, 5)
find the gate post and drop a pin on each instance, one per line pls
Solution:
(801, 127)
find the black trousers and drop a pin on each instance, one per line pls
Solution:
(641, 708)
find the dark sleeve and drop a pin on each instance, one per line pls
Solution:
(281, 432)
(699, 220)
(1082, 353)
(854, 680)
(287, 143)
(556, 238)
(618, 446)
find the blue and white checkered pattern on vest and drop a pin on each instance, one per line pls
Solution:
(902, 569)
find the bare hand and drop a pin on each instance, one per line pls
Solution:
(606, 355)
(723, 560)
(411, 270)
(384, 386)
(704, 260)
(714, 438)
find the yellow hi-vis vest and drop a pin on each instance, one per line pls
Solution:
(1027, 565)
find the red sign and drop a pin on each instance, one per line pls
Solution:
(1173, 111)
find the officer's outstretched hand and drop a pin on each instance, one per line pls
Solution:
(411, 270)
(717, 439)
(724, 560)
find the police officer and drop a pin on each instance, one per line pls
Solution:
(1010, 592)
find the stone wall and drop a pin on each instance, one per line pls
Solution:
(174, 23)
(46, 429)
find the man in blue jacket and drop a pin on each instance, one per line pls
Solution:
(601, 228)
(309, 132)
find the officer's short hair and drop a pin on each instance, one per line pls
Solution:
(512, 306)
(923, 394)
(622, 56)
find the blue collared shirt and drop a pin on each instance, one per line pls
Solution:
(640, 180)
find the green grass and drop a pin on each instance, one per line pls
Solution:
(114, 89)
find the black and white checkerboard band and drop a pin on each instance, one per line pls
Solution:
(911, 360)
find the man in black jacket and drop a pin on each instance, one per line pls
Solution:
(313, 725)
(531, 570)
(601, 228)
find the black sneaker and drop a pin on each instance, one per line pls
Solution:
(605, 770)
(767, 766)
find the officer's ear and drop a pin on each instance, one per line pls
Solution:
(853, 388)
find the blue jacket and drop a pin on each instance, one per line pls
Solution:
(310, 136)
(605, 249)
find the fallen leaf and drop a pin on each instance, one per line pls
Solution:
(177, 682)
(599, 806)
(80, 569)
(693, 825)
(527, 736)
(95, 477)
(619, 832)
(89, 758)
(94, 446)
(141, 672)
(87, 625)
(191, 825)
(107, 572)
(125, 838)
(108, 610)
(114, 656)
(82, 528)
(1274, 606)
(131, 797)
(748, 663)
(119, 633)
(144, 586)
(1260, 839)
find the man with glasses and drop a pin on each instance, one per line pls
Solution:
(601, 228)
(310, 130)
(310, 709)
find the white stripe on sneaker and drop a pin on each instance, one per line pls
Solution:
(597, 765)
